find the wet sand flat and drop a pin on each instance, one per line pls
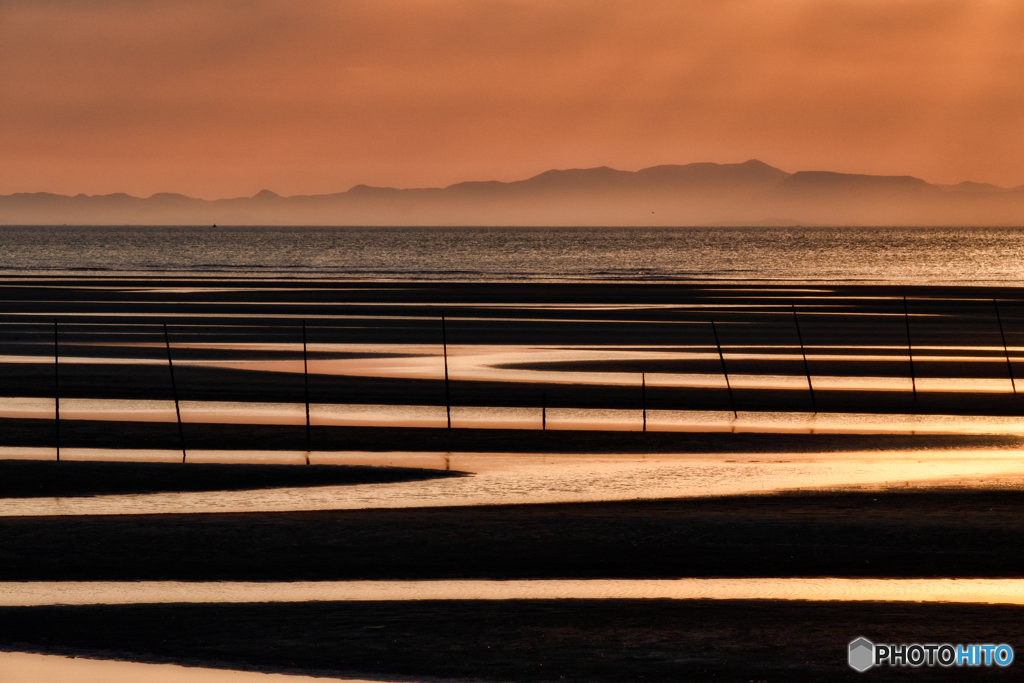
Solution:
(535, 478)
(937, 533)
(570, 346)
(853, 336)
(534, 640)
(147, 383)
(34, 478)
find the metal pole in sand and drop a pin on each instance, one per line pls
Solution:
(1006, 350)
(803, 353)
(721, 357)
(910, 348)
(174, 391)
(643, 396)
(543, 410)
(305, 377)
(447, 395)
(56, 387)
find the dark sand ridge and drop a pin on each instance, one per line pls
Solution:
(875, 362)
(483, 313)
(158, 353)
(190, 289)
(152, 382)
(31, 433)
(994, 367)
(736, 330)
(95, 312)
(290, 350)
(884, 533)
(537, 640)
(33, 478)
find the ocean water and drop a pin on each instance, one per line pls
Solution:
(971, 256)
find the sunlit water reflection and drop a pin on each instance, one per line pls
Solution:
(498, 363)
(1008, 591)
(498, 417)
(536, 478)
(20, 667)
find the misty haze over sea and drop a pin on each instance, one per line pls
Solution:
(466, 254)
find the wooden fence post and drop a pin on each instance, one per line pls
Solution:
(910, 348)
(725, 372)
(447, 394)
(1006, 349)
(174, 392)
(56, 387)
(803, 353)
(643, 396)
(305, 377)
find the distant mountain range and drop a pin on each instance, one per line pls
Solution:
(751, 193)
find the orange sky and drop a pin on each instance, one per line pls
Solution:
(217, 98)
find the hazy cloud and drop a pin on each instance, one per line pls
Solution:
(222, 98)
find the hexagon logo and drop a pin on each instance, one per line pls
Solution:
(862, 654)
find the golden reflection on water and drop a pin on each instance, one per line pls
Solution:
(20, 667)
(497, 417)
(490, 363)
(1005, 591)
(499, 479)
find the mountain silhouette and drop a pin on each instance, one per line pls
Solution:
(817, 182)
(750, 193)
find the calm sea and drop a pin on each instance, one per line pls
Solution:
(887, 255)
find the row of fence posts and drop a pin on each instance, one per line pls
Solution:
(544, 408)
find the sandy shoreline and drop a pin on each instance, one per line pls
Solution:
(881, 532)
